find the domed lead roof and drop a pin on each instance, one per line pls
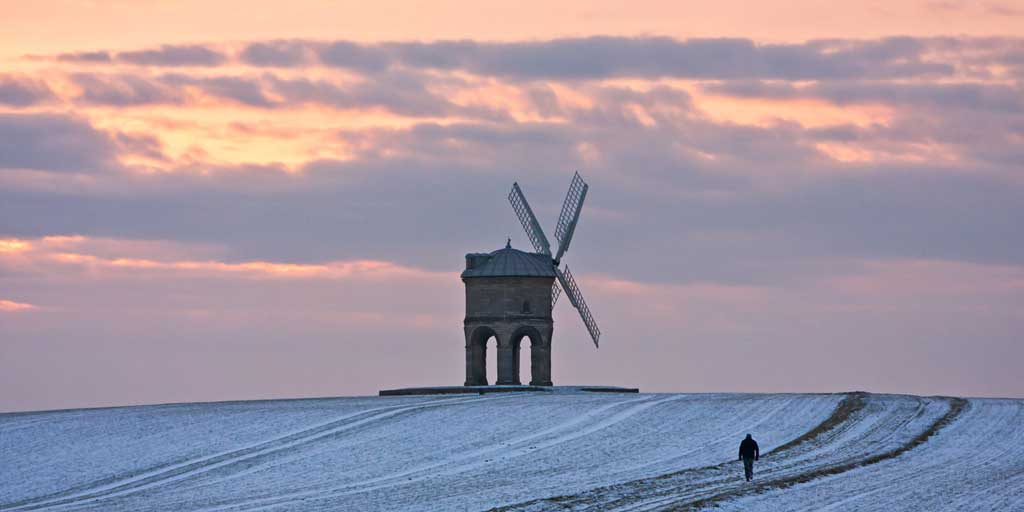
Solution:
(508, 262)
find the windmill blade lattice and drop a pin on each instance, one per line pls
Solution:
(576, 298)
(570, 214)
(528, 220)
(567, 221)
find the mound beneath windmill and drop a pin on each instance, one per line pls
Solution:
(521, 451)
(482, 390)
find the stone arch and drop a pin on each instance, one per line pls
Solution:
(540, 354)
(476, 354)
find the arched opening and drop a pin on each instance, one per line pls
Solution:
(539, 360)
(481, 366)
(491, 357)
(520, 354)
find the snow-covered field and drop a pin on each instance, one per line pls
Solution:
(520, 451)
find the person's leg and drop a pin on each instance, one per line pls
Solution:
(748, 468)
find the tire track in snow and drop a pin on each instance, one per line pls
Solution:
(633, 492)
(691, 485)
(956, 409)
(119, 486)
(925, 468)
(855, 438)
(655, 492)
(480, 452)
(564, 432)
(997, 431)
(732, 435)
(392, 479)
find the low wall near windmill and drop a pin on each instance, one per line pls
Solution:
(451, 390)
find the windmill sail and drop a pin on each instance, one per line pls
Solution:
(570, 214)
(576, 298)
(528, 220)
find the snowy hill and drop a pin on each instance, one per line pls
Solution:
(520, 451)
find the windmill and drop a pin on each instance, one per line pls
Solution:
(567, 220)
(510, 295)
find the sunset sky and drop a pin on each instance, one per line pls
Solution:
(234, 200)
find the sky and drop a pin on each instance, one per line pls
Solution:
(234, 200)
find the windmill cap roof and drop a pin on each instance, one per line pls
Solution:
(508, 262)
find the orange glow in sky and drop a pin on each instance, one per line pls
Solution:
(806, 180)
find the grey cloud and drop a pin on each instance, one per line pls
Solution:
(437, 55)
(400, 92)
(240, 89)
(544, 101)
(653, 57)
(993, 97)
(401, 95)
(601, 57)
(174, 55)
(351, 55)
(425, 213)
(51, 142)
(166, 55)
(470, 144)
(409, 192)
(753, 89)
(124, 90)
(276, 53)
(140, 144)
(998, 98)
(21, 91)
(86, 57)
(983, 141)
(423, 195)
(899, 48)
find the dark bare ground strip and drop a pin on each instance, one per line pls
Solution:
(852, 403)
(956, 408)
(847, 407)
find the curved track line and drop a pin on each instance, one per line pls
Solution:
(849, 406)
(957, 407)
(507, 448)
(178, 471)
(991, 456)
(852, 423)
(831, 446)
(732, 435)
(503, 446)
(856, 429)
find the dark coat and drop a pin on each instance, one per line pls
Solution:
(749, 449)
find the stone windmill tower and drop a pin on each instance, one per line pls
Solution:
(510, 295)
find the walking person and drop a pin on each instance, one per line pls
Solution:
(749, 452)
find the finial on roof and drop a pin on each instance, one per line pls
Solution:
(508, 244)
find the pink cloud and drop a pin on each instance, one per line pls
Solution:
(10, 306)
(102, 257)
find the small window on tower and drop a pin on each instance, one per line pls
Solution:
(526, 307)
